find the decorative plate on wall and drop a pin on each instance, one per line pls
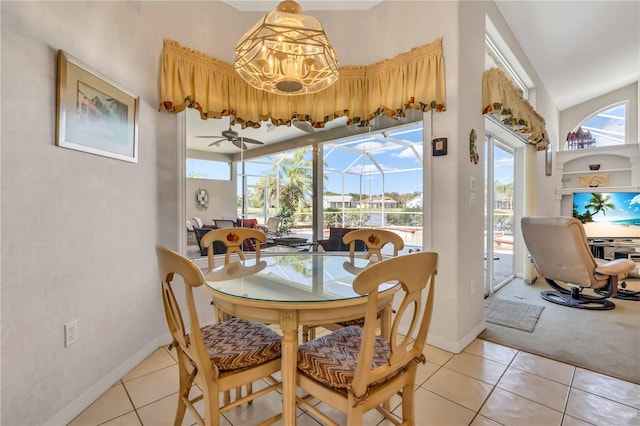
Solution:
(202, 198)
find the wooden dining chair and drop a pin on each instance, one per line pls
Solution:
(375, 240)
(217, 357)
(234, 239)
(353, 369)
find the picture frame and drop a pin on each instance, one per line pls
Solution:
(439, 147)
(93, 113)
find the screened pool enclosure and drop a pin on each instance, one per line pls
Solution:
(373, 179)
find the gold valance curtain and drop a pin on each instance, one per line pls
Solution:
(411, 80)
(503, 100)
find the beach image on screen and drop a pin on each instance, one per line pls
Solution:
(608, 214)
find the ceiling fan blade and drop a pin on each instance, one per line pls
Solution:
(239, 144)
(217, 142)
(249, 140)
(305, 126)
(212, 136)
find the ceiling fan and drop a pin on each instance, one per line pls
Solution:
(233, 137)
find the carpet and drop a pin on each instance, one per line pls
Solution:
(521, 316)
(606, 342)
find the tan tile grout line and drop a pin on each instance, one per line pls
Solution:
(144, 375)
(132, 404)
(566, 402)
(124, 414)
(493, 386)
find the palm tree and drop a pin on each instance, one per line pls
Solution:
(599, 203)
(583, 217)
(296, 188)
(293, 174)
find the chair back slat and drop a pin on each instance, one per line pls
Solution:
(375, 240)
(414, 272)
(189, 341)
(233, 239)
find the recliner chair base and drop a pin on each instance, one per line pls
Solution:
(567, 300)
(623, 293)
(573, 298)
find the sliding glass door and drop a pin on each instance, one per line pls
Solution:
(499, 214)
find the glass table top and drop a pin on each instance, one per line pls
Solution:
(300, 277)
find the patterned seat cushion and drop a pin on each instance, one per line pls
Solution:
(358, 321)
(332, 359)
(239, 343)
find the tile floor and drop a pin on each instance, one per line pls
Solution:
(486, 384)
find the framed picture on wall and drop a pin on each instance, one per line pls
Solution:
(94, 114)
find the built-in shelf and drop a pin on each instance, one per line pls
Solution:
(569, 191)
(595, 172)
(619, 163)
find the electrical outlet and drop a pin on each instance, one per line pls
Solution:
(70, 333)
(472, 286)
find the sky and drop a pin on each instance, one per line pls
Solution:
(398, 155)
(607, 126)
(503, 166)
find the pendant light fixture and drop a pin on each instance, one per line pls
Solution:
(287, 53)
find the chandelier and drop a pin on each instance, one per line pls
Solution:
(287, 53)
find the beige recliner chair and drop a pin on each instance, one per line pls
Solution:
(560, 252)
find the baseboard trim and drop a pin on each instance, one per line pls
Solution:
(78, 405)
(456, 346)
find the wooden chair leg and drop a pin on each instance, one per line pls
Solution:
(408, 409)
(250, 391)
(184, 378)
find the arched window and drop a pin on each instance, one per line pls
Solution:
(603, 128)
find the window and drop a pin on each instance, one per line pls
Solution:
(495, 59)
(372, 179)
(375, 180)
(606, 127)
(208, 169)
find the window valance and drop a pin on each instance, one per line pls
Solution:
(411, 80)
(501, 99)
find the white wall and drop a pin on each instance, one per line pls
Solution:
(220, 192)
(77, 229)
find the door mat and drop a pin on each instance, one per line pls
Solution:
(521, 316)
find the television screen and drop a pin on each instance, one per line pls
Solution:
(608, 214)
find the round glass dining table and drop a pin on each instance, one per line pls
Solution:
(291, 290)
